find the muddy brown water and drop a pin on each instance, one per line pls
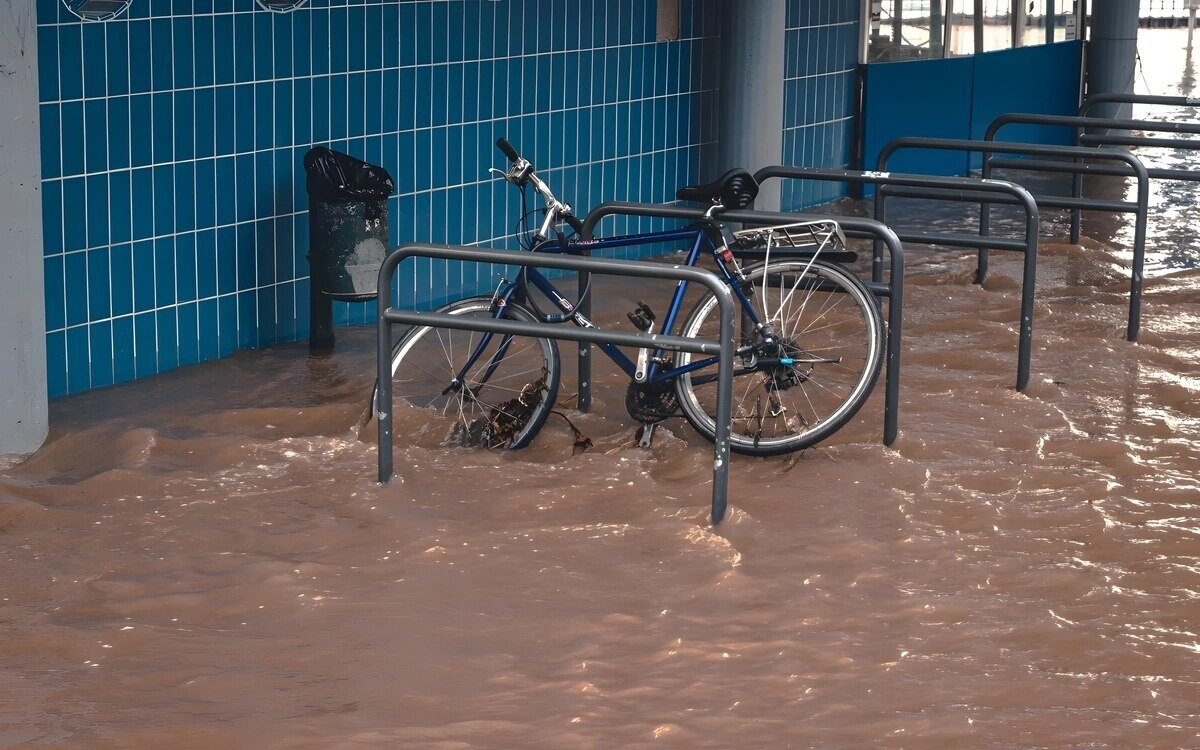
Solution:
(204, 559)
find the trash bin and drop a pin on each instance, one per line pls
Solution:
(348, 223)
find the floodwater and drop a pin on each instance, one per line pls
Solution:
(205, 560)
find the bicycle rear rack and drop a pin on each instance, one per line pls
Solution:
(723, 347)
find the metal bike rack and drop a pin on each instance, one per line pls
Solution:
(723, 348)
(1135, 169)
(1100, 139)
(964, 189)
(893, 289)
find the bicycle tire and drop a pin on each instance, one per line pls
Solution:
(517, 393)
(821, 313)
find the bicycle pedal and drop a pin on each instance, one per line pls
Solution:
(642, 317)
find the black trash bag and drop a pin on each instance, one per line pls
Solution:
(337, 177)
(348, 223)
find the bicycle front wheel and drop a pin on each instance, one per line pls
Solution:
(829, 347)
(490, 390)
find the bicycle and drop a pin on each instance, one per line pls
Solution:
(809, 342)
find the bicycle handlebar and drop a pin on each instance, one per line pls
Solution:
(508, 150)
(520, 173)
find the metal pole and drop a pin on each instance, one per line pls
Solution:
(978, 26)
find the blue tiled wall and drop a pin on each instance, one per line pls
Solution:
(173, 136)
(819, 99)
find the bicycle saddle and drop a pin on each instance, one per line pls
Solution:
(734, 189)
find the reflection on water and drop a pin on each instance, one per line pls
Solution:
(203, 560)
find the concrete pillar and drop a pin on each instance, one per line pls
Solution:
(1112, 53)
(752, 73)
(23, 409)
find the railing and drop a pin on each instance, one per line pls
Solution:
(723, 347)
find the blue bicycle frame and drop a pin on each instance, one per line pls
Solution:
(700, 239)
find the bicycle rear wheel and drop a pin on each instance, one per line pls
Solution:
(830, 337)
(504, 396)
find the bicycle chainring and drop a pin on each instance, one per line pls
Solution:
(651, 403)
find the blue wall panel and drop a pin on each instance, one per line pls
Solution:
(1044, 79)
(930, 98)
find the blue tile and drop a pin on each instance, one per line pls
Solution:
(321, 107)
(223, 70)
(141, 139)
(142, 198)
(94, 60)
(264, 252)
(120, 260)
(78, 365)
(145, 343)
(97, 210)
(226, 194)
(118, 133)
(164, 199)
(100, 342)
(283, 42)
(244, 184)
(301, 117)
(163, 133)
(243, 121)
(73, 130)
(356, 53)
(338, 116)
(247, 257)
(189, 334)
(183, 45)
(143, 275)
(374, 37)
(75, 273)
(243, 47)
(185, 267)
(166, 322)
(247, 320)
(206, 264)
(184, 106)
(204, 51)
(301, 44)
(282, 107)
(263, 41)
(287, 327)
(70, 61)
(185, 201)
(265, 301)
(140, 66)
(224, 118)
(319, 57)
(227, 321)
(52, 217)
(205, 202)
(285, 265)
(123, 350)
(356, 96)
(56, 363)
(161, 56)
(339, 41)
(408, 40)
(95, 118)
(55, 295)
(47, 42)
(207, 322)
(204, 123)
(227, 264)
(264, 111)
(51, 151)
(164, 272)
(74, 213)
